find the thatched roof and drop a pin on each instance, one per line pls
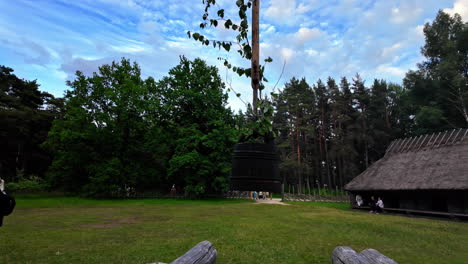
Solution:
(430, 162)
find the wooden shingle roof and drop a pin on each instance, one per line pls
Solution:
(436, 161)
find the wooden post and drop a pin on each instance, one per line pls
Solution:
(255, 82)
(282, 188)
(456, 136)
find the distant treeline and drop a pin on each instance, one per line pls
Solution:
(331, 131)
(114, 130)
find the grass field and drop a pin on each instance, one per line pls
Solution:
(74, 230)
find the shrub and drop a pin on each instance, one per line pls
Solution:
(33, 184)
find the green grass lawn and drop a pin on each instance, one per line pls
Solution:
(74, 230)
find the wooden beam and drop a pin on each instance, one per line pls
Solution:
(390, 147)
(466, 132)
(435, 140)
(442, 139)
(417, 141)
(429, 140)
(453, 130)
(410, 144)
(456, 136)
(404, 145)
(399, 146)
(422, 142)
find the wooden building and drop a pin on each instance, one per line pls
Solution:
(428, 174)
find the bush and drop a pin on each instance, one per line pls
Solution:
(34, 184)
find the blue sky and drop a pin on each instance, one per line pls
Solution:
(50, 40)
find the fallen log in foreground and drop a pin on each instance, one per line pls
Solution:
(203, 253)
(346, 255)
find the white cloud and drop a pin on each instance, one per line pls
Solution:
(311, 52)
(460, 7)
(317, 38)
(306, 34)
(387, 69)
(286, 54)
(286, 12)
(392, 50)
(405, 14)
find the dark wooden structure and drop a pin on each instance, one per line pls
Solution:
(426, 174)
(203, 253)
(255, 168)
(346, 255)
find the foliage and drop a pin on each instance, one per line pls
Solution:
(258, 124)
(104, 142)
(32, 185)
(26, 115)
(258, 128)
(203, 128)
(439, 87)
(120, 131)
(328, 133)
(241, 29)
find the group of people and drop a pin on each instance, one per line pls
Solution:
(376, 207)
(261, 195)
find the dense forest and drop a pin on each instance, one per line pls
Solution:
(115, 130)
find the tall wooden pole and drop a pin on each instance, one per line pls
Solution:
(255, 53)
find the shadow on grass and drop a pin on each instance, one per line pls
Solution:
(55, 200)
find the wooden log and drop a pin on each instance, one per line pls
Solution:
(374, 256)
(203, 253)
(346, 255)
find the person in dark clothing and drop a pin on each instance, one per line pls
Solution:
(7, 203)
(372, 205)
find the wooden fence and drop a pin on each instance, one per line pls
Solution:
(341, 198)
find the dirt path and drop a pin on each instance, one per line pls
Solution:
(268, 201)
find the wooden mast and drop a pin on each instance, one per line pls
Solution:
(255, 53)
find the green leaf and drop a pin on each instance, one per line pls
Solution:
(188, 33)
(244, 24)
(242, 14)
(248, 72)
(226, 46)
(228, 23)
(247, 49)
(239, 3)
(221, 13)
